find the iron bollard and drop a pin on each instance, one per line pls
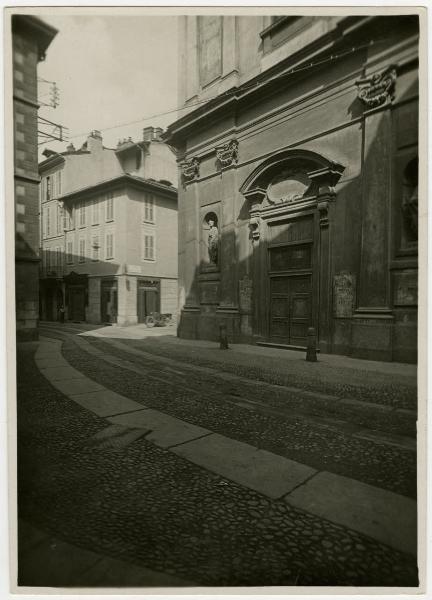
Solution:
(223, 338)
(311, 353)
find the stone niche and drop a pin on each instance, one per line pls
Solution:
(210, 239)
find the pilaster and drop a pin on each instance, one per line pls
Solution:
(127, 300)
(94, 300)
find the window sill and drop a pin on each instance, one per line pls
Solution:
(148, 222)
(152, 260)
(109, 220)
(109, 258)
(95, 224)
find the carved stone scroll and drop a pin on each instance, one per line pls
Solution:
(227, 154)
(378, 89)
(190, 169)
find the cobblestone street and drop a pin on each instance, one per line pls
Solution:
(186, 465)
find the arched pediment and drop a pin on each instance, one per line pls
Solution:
(291, 175)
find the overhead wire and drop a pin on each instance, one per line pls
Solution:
(240, 89)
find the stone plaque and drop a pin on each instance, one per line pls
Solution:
(405, 288)
(343, 295)
(209, 292)
(245, 294)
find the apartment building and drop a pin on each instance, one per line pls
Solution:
(108, 221)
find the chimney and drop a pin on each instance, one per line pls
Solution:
(70, 148)
(158, 131)
(94, 141)
(148, 134)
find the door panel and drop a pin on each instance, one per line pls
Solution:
(147, 302)
(290, 308)
(77, 304)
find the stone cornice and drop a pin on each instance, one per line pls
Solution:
(27, 101)
(121, 180)
(26, 178)
(350, 30)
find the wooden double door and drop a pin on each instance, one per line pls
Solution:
(290, 272)
(290, 308)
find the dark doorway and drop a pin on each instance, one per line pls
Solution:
(109, 301)
(147, 300)
(76, 308)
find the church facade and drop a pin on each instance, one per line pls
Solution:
(298, 167)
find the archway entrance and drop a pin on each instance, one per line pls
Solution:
(290, 196)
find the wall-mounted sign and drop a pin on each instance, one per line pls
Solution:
(245, 294)
(133, 269)
(343, 295)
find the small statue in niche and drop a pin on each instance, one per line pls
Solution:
(213, 240)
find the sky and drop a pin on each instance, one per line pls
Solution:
(110, 70)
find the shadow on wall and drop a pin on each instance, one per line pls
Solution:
(281, 288)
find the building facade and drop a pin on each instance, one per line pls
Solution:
(298, 165)
(108, 221)
(30, 40)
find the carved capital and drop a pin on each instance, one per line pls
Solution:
(227, 154)
(378, 89)
(190, 169)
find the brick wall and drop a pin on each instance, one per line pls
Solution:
(25, 60)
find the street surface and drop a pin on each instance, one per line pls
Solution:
(158, 461)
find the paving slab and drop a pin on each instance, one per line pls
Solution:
(77, 386)
(54, 563)
(48, 353)
(385, 516)
(51, 362)
(103, 402)
(110, 572)
(62, 373)
(267, 473)
(28, 537)
(166, 430)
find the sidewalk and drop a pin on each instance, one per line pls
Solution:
(46, 561)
